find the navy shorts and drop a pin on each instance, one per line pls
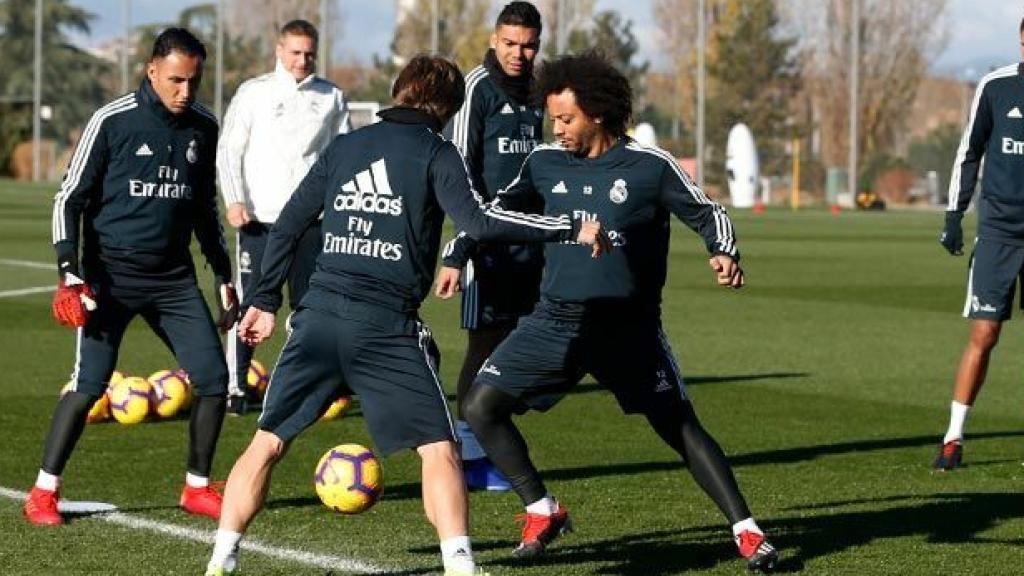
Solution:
(177, 314)
(501, 284)
(547, 355)
(994, 272)
(341, 346)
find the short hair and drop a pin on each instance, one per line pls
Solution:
(519, 13)
(300, 28)
(1022, 26)
(432, 84)
(601, 90)
(177, 40)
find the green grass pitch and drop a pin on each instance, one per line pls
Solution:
(827, 380)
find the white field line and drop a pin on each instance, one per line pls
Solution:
(324, 561)
(26, 291)
(27, 264)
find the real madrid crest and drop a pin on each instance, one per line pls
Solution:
(192, 154)
(618, 193)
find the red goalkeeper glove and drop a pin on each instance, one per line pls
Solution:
(73, 301)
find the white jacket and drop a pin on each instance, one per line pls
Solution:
(274, 130)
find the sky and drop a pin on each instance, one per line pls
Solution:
(982, 33)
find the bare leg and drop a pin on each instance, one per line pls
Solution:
(444, 492)
(974, 363)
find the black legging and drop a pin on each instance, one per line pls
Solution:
(489, 412)
(480, 344)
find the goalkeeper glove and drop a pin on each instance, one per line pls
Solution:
(227, 305)
(952, 238)
(73, 301)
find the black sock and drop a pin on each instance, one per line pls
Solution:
(65, 430)
(203, 432)
(681, 430)
(489, 413)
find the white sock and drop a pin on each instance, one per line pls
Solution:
(194, 481)
(457, 555)
(546, 506)
(747, 524)
(225, 550)
(957, 417)
(47, 481)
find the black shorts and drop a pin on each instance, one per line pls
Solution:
(500, 285)
(547, 355)
(992, 279)
(341, 346)
(177, 314)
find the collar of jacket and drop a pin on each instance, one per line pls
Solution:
(152, 101)
(286, 77)
(409, 115)
(516, 87)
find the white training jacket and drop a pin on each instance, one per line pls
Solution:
(274, 130)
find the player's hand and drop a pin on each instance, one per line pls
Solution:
(237, 215)
(447, 283)
(593, 234)
(952, 238)
(73, 301)
(727, 271)
(227, 306)
(256, 326)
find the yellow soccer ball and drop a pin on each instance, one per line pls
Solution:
(348, 479)
(100, 411)
(257, 378)
(171, 393)
(116, 377)
(337, 409)
(129, 400)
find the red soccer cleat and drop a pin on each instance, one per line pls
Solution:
(203, 501)
(760, 555)
(539, 530)
(41, 507)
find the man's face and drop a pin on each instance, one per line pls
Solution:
(175, 79)
(1022, 45)
(575, 131)
(515, 47)
(297, 54)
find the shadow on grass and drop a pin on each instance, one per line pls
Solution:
(800, 539)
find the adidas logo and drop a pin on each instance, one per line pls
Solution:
(491, 369)
(560, 188)
(144, 150)
(1015, 113)
(663, 386)
(507, 109)
(370, 191)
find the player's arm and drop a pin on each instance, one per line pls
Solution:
(964, 177)
(302, 209)
(706, 217)
(210, 234)
(489, 222)
(82, 184)
(234, 139)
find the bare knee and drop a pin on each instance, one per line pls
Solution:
(443, 452)
(266, 447)
(985, 335)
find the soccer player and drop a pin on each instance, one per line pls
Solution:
(383, 191)
(275, 128)
(140, 183)
(604, 317)
(496, 128)
(994, 133)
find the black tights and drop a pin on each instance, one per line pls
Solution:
(479, 346)
(489, 412)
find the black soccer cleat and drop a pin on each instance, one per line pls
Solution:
(950, 455)
(760, 555)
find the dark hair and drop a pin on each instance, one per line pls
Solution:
(177, 40)
(518, 13)
(432, 84)
(1022, 26)
(300, 28)
(601, 90)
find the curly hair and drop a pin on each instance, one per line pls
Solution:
(601, 91)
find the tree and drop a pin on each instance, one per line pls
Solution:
(898, 40)
(752, 78)
(463, 32)
(71, 81)
(935, 152)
